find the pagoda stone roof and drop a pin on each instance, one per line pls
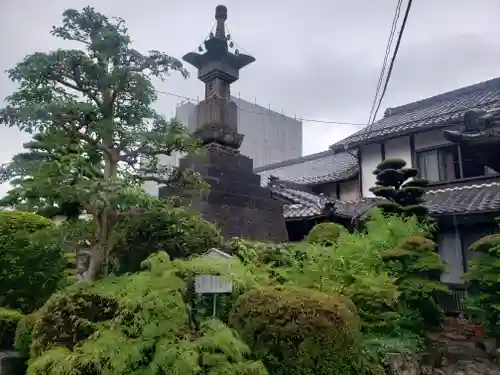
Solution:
(438, 111)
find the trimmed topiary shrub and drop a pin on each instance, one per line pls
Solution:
(402, 191)
(300, 331)
(35, 267)
(9, 320)
(325, 234)
(178, 232)
(483, 302)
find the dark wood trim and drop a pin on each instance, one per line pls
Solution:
(337, 191)
(435, 147)
(413, 154)
(462, 250)
(382, 150)
(459, 181)
(360, 179)
(460, 162)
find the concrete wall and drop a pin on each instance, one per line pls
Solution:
(269, 138)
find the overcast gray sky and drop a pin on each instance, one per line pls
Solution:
(318, 59)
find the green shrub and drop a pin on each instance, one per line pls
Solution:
(133, 324)
(325, 234)
(354, 268)
(269, 254)
(24, 331)
(483, 302)
(35, 266)
(299, 331)
(417, 267)
(9, 320)
(178, 232)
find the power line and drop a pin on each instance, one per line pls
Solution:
(386, 57)
(265, 113)
(391, 66)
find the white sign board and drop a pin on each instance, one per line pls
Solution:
(211, 284)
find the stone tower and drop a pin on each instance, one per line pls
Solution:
(236, 201)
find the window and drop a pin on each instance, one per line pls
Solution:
(439, 164)
(471, 163)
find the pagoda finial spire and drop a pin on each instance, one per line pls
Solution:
(221, 17)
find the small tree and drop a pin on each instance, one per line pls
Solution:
(483, 302)
(99, 99)
(398, 185)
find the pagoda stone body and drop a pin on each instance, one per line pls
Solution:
(236, 201)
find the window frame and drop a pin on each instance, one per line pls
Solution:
(438, 157)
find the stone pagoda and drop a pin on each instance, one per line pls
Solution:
(236, 201)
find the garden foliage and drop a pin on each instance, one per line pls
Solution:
(300, 331)
(483, 278)
(32, 268)
(133, 324)
(325, 234)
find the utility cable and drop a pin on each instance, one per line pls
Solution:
(386, 58)
(265, 113)
(391, 66)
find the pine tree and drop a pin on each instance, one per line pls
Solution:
(403, 192)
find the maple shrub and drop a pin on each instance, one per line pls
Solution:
(139, 324)
(483, 302)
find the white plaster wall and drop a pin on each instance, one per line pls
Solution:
(399, 148)
(371, 156)
(349, 190)
(433, 138)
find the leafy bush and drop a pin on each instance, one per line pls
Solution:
(299, 331)
(483, 302)
(34, 266)
(9, 320)
(354, 267)
(176, 231)
(24, 331)
(417, 268)
(269, 254)
(325, 234)
(133, 324)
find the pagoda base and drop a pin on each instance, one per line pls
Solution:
(235, 202)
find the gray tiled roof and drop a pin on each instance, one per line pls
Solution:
(439, 110)
(460, 200)
(466, 199)
(312, 169)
